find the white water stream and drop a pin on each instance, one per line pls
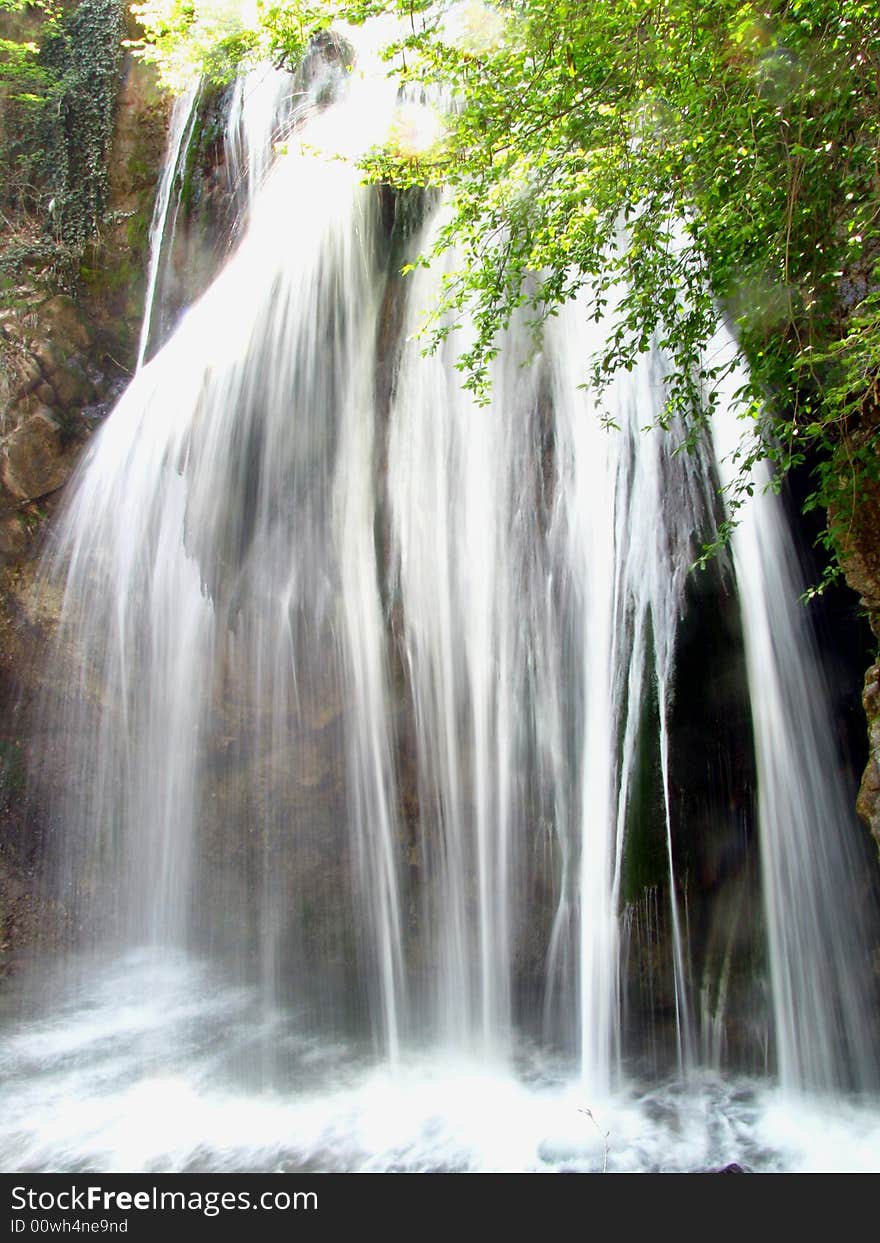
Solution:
(363, 694)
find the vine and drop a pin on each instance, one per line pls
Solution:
(61, 85)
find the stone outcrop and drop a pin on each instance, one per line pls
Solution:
(65, 355)
(47, 350)
(868, 804)
(33, 461)
(859, 541)
(52, 380)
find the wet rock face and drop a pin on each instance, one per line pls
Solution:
(859, 537)
(33, 461)
(22, 825)
(65, 356)
(868, 804)
(14, 537)
(47, 349)
(53, 379)
(861, 552)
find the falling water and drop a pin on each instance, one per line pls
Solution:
(810, 866)
(631, 510)
(262, 105)
(532, 586)
(464, 486)
(224, 543)
(361, 708)
(259, 111)
(180, 132)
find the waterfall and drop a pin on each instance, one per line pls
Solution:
(262, 105)
(165, 212)
(221, 545)
(632, 511)
(259, 111)
(810, 868)
(529, 601)
(364, 761)
(465, 496)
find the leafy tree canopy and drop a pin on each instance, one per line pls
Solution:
(738, 143)
(23, 25)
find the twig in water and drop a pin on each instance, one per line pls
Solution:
(604, 1134)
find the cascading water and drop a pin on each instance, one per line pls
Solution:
(529, 596)
(248, 591)
(262, 104)
(810, 866)
(362, 703)
(259, 111)
(162, 228)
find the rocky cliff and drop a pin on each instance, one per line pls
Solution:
(860, 558)
(68, 341)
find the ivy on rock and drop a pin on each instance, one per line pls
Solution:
(60, 84)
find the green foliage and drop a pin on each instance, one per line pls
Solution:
(20, 71)
(739, 148)
(846, 427)
(203, 38)
(669, 157)
(84, 57)
(12, 769)
(55, 144)
(25, 85)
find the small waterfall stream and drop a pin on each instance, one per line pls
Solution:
(259, 111)
(180, 131)
(363, 777)
(815, 926)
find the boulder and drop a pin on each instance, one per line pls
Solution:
(65, 323)
(14, 537)
(32, 458)
(868, 802)
(72, 387)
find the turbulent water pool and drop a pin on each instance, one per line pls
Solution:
(156, 1065)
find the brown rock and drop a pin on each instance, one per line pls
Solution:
(32, 459)
(320, 703)
(72, 386)
(49, 355)
(868, 802)
(30, 374)
(857, 529)
(65, 322)
(13, 537)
